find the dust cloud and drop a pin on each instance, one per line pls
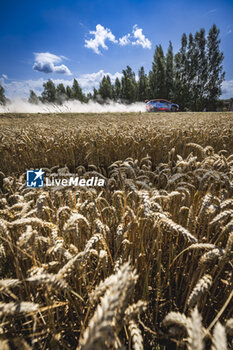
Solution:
(22, 106)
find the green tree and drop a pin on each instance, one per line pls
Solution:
(68, 92)
(178, 98)
(169, 72)
(192, 64)
(157, 77)
(33, 98)
(49, 93)
(89, 96)
(2, 96)
(181, 79)
(77, 93)
(95, 94)
(199, 81)
(129, 85)
(105, 88)
(143, 85)
(117, 89)
(61, 93)
(215, 68)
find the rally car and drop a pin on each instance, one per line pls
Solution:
(161, 105)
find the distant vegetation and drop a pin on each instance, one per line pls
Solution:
(2, 96)
(192, 78)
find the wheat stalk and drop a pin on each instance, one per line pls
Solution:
(201, 287)
(219, 338)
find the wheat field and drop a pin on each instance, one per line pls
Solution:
(144, 262)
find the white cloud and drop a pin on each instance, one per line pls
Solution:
(125, 40)
(100, 36)
(140, 38)
(91, 80)
(17, 88)
(5, 76)
(45, 62)
(227, 89)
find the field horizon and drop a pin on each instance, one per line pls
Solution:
(144, 131)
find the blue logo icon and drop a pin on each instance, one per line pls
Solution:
(35, 178)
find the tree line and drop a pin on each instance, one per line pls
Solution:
(191, 78)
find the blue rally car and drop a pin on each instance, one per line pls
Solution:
(161, 105)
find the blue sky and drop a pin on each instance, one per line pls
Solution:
(66, 39)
